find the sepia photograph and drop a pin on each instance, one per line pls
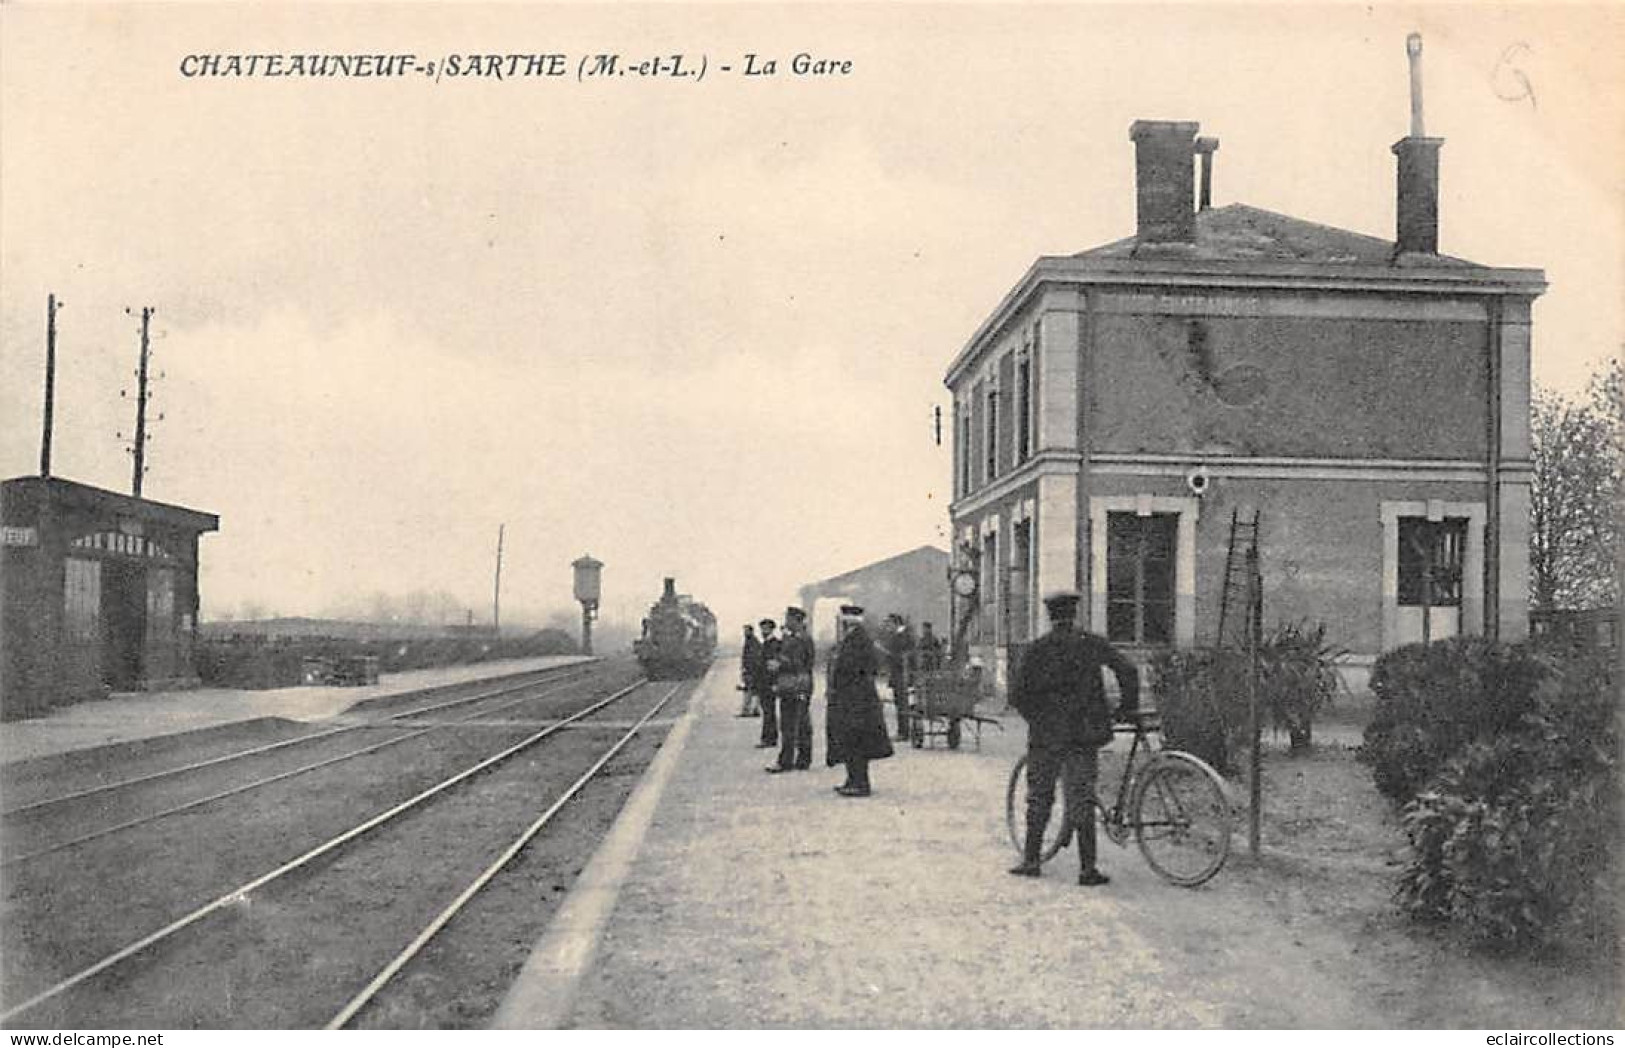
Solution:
(811, 516)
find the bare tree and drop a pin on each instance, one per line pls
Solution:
(1578, 462)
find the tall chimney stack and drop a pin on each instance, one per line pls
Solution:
(1205, 148)
(1165, 176)
(1417, 211)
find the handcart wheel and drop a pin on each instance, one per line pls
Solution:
(953, 734)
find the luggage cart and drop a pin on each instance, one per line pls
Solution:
(940, 702)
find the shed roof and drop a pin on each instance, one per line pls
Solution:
(70, 493)
(930, 554)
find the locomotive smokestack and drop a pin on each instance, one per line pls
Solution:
(669, 594)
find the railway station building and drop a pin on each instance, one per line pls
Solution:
(1131, 418)
(98, 593)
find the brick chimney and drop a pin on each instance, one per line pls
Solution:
(1165, 177)
(1417, 209)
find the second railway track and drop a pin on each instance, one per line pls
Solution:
(101, 774)
(43, 829)
(78, 924)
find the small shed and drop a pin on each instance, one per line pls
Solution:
(98, 593)
(913, 585)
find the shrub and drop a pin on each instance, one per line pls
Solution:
(259, 662)
(1514, 838)
(1298, 678)
(1432, 700)
(1203, 692)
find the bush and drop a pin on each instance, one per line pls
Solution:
(1432, 700)
(1514, 838)
(1298, 678)
(1203, 692)
(246, 661)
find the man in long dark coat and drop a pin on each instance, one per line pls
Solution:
(794, 687)
(854, 725)
(1059, 691)
(750, 672)
(764, 685)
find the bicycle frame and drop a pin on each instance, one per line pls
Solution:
(1181, 825)
(1112, 818)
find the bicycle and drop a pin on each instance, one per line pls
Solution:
(1174, 803)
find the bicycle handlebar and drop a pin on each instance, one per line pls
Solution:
(1138, 721)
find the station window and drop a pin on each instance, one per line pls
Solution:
(1018, 603)
(962, 415)
(990, 587)
(992, 433)
(1140, 577)
(1024, 408)
(1430, 560)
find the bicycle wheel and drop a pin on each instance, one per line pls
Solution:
(1056, 834)
(1182, 818)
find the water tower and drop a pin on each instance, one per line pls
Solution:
(589, 576)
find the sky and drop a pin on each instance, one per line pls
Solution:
(692, 326)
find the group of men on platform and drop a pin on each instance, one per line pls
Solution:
(1058, 690)
(778, 685)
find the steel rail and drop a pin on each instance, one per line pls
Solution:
(393, 968)
(255, 751)
(241, 891)
(128, 824)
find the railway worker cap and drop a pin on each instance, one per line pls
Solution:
(1063, 604)
(851, 611)
(794, 615)
(768, 624)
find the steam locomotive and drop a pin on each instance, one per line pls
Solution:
(679, 637)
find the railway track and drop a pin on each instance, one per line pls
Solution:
(452, 817)
(16, 823)
(482, 693)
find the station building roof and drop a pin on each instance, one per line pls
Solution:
(1239, 247)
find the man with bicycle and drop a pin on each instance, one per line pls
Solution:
(1060, 693)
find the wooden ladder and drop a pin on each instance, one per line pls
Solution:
(1242, 584)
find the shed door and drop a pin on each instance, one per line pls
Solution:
(124, 623)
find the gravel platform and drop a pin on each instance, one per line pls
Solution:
(763, 901)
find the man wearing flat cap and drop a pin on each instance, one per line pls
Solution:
(769, 671)
(1060, 693)
(794, 687)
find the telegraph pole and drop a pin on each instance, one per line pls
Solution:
(141, 405)
(50, 384)
(496, 597)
